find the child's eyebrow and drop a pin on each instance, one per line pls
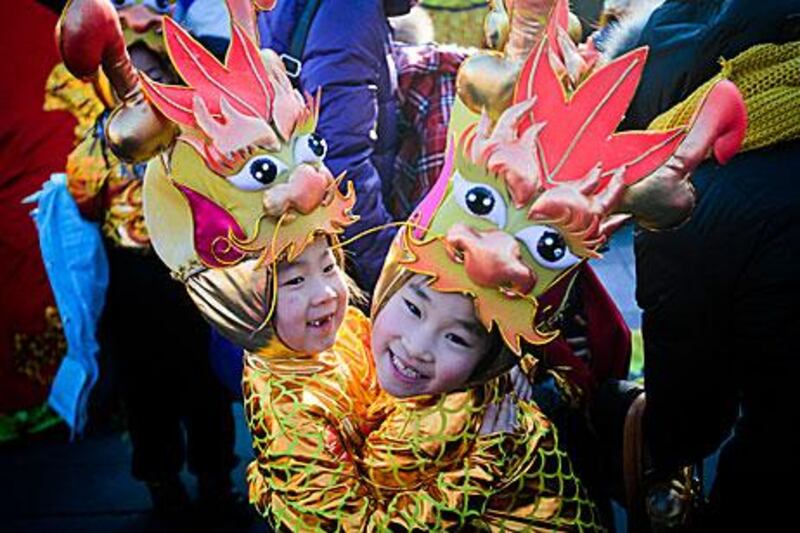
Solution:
(294, 264)
(470, 326)
(419, 292)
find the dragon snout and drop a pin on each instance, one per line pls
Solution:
(491, 258)
(305, 190)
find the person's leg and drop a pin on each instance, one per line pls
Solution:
(752, 488)
(208, 415)
(205, 403)
(131, 330)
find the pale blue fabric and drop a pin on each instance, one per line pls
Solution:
(75, 261)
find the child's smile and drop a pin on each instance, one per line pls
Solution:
(312, 299)
(405, 371)
(322, 325)
(425, 341)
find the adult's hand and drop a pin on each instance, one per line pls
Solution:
(522, 385)
(500, 417)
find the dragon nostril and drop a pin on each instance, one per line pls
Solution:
(507, 290)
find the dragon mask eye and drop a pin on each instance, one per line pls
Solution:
(480, 200)
(258, 173)
(548, 247)
(310, 148)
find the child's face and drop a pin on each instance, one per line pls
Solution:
(312, 299)
(425, 341)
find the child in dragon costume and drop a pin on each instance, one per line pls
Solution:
(157, 341)
(529, 191)
(240, 209)
(421, 452)
(105, 188)
(238, 192)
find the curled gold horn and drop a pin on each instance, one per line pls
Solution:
(90, 38)
(575, 28)
(528, 21)
(136, 131)
(486, 80)
(496, 25)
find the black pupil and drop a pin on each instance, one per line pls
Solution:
(162, 4)
(264, 170)
(480, 201)
(119, 2)
(317, 145)
(551, 246)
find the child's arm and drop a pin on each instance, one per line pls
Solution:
(454, 497)
(300, 481)
(505, 479)
(429, 466)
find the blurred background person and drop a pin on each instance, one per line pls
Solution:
(177, 411)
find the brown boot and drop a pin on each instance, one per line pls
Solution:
(655, 501)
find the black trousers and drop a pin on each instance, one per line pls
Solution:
(157, 343)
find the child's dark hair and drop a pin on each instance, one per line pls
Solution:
(497, 360)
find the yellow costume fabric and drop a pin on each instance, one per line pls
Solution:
(297, 406)
(432, 470)
(767, 76)
(335, 453)
(63, 91)
(104, 188)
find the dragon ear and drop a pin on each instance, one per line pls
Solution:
(665, 198)
(214, 228)
(427, 208)
(89, 37)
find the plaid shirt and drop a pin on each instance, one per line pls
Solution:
(426, 92)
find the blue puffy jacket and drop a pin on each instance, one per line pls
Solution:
(347, 54)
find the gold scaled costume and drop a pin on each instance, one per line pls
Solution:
(297, 405)
(333, 452)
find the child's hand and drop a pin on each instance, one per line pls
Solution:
(500, 417)
(522, 385)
